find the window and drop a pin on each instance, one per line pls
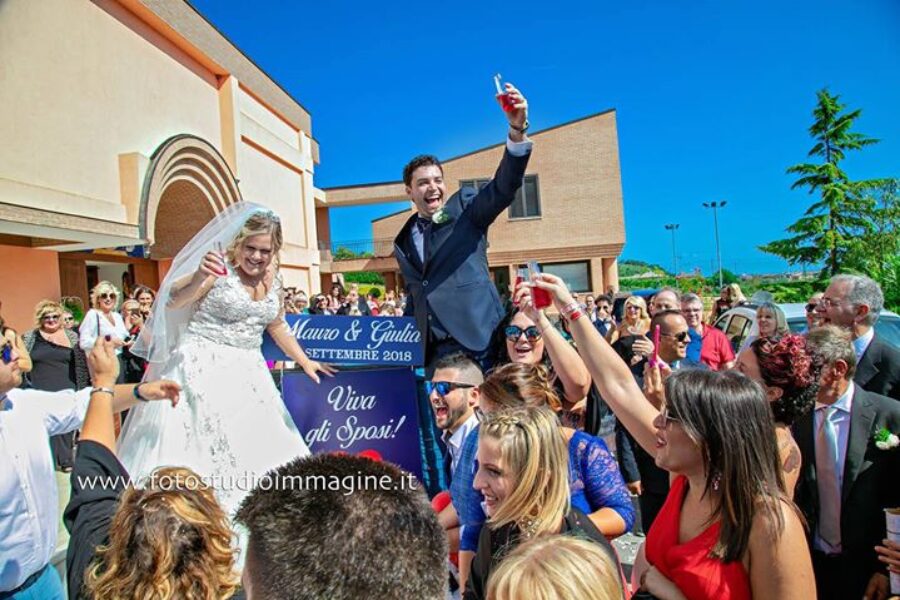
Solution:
(527, 203)
(575, 274)
(737, 331)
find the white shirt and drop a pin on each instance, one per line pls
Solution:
(861, 344)
(88, 330)
(841, 421)
(455, 442)
(515, 149)
(29, 498)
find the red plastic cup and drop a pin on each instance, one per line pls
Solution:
(539, 297)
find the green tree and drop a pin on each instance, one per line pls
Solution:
(830, 227)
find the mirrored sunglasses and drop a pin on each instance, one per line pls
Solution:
(513, 333)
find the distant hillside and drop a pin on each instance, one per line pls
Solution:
(631, 268)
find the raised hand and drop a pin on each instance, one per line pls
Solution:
(557, 288)
(213, 264)
(518, 116)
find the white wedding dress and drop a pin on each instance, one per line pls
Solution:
(230, 424)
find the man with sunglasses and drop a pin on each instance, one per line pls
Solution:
(453, 393)
(638, 468)
(29, 498)
(708, 344)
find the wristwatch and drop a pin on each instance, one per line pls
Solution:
(522, 129)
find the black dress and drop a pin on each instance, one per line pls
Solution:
(53, 370)
(494, 545)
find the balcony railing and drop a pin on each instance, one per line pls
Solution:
(356, 249)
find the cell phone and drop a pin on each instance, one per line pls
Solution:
(654, 358)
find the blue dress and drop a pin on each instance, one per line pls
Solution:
(595, 482)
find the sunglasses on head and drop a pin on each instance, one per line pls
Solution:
(6, 354)
(681, 336)
(108, 296)
(514, 332)
(445, 387)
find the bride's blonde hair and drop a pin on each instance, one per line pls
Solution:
(168, 540)
(262, 222)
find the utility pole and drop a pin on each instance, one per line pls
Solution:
(715, 206)
(672, 227)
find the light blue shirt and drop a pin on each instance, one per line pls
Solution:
(841, 421)
(515, 149)
(861, 344)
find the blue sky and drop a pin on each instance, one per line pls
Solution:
(713, 98)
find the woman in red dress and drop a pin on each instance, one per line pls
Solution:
(727, 530)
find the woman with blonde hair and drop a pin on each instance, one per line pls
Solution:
(103, 320)
(556, 567)
(635, 320)
(222, 292)
(58, 363)
(523, 473)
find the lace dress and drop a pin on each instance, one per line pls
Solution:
(231, 425)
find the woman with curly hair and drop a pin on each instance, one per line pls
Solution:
(169, 539)
(790, 377)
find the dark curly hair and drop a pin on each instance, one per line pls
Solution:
(423, 160)
(786, 363)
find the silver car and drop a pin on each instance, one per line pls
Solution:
(740, 322)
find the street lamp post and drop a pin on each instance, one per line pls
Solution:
(672, 227)
(715, 206)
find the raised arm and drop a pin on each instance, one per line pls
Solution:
(500, 192)
(567, 365)
(191, 288)
(609, 372)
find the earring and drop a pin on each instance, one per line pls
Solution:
(716, 481)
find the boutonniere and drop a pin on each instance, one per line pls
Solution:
(440, 217)
(885, 440)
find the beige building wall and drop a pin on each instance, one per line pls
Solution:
(89, 90)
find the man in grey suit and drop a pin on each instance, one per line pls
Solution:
(853, 302)
(442, 249)
(846, 480)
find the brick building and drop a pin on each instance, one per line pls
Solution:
(568, 215)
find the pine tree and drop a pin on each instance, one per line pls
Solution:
(830, 227)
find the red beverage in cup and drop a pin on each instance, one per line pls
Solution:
(539, 296)
(503, 97)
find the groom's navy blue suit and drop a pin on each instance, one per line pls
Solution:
(451, 293)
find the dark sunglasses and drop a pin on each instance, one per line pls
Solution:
(69, 319)
(667, 416)
(50, 318)
(513, 333)
(445, 387)
(810, 308)
(6, 353)
(681, 336)
(108, 296)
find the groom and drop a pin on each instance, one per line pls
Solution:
(442, 248)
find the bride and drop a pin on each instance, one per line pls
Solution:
(222, 291)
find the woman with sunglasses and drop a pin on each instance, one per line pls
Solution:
(635, 320)
(103, 320)
(728, 529)
(523, 474)
(58, 363)
(532, 339)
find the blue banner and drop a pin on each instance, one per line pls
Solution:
(371, 411)
(353, 340)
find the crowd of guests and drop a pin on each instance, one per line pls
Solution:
(347, 301)
(757, 471)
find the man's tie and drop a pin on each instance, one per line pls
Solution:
(424, 227)
(827, 479)
(448, 466)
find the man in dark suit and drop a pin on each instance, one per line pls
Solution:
(854, 302)
(846, 481)
(442, 248)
